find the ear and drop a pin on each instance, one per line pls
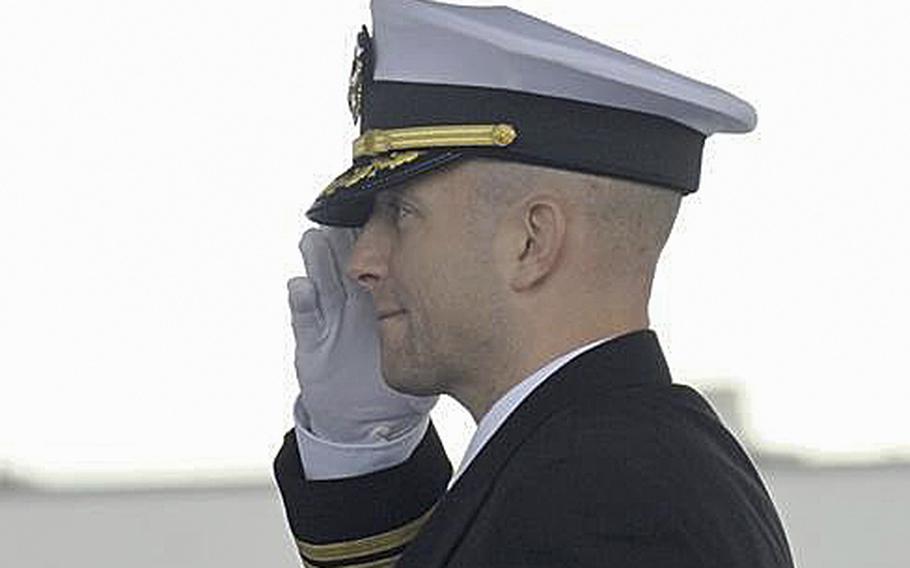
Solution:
(536, 244)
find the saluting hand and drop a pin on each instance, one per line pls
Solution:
(343, 396)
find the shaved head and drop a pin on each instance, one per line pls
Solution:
(626, 223)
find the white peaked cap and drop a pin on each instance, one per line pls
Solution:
(501, 48)
(439, 83)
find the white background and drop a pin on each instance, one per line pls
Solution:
(156, 159)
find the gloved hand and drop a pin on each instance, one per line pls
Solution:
(343, 396)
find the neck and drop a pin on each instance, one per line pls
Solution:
(523, 357)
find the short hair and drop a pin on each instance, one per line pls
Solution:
(629, 220)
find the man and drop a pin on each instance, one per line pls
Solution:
(512, 191)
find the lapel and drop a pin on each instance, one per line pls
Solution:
(629, 360)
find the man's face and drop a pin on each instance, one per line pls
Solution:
(431, 282)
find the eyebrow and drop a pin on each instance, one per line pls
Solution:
(406, 191)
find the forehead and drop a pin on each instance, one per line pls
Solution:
(424, 189)
(406, 190)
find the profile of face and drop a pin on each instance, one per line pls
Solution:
(431, 282)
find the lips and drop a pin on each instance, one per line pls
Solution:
(386, 315)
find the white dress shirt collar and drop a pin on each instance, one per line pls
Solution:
(507, 403)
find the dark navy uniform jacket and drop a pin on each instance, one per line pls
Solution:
(606, 463)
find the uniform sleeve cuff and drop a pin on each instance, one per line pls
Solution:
(322, 459)
(340, 510)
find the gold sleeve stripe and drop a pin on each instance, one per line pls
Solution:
(384, 563)
(374, 142)
(364, 546)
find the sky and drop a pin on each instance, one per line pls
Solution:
(157, 158)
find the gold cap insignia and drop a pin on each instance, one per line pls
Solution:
(358, 74)
(378, 164)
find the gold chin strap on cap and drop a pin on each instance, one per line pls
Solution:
(374, 142)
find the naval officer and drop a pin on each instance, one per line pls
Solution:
(495, 239)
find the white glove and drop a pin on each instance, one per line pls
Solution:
(343, 396)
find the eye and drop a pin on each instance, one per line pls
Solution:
(395, 209)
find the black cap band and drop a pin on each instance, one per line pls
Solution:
(552, 132)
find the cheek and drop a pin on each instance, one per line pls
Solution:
(461, 285)
(411, 274)
(438, 274)
(430, 290)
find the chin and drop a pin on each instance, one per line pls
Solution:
(403, 385)
(405, 388)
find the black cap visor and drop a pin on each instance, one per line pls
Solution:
(348, 201)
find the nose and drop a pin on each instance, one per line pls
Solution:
(368, 264)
